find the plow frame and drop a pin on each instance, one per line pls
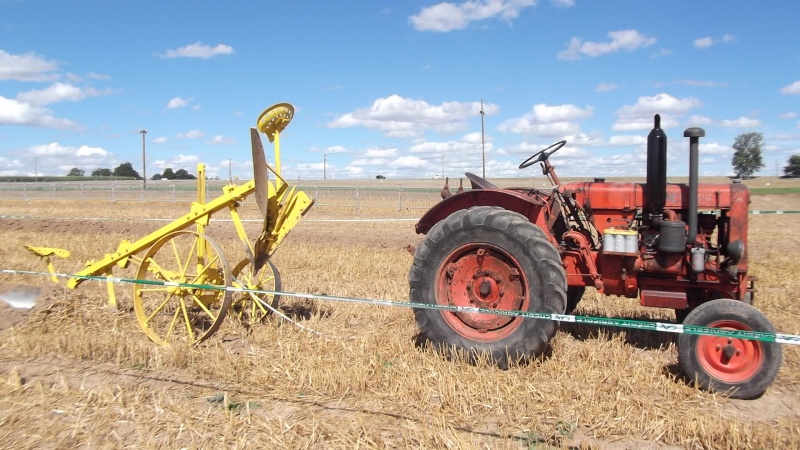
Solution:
(281, 207)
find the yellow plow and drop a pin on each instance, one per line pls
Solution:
(175, 255)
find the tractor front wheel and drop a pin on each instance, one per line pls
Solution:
(741, 368)
(490, 258)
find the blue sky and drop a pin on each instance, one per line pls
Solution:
(394, 87)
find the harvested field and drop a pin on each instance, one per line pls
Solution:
(75, 374)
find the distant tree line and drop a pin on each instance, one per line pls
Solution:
(168, 174)
(123, 170)
(126, 170)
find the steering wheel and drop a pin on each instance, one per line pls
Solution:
(542, 155)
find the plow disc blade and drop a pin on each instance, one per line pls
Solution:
(23, 297)
(259, 171)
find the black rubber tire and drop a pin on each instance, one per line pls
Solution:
(574, 295)
(681, 314)
(690, 353)
(524, 242)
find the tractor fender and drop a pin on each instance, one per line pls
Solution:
(512, 200)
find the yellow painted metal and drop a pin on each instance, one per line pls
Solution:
(48, 251)
(198, 214)
(281, 206)
(112, 296)
(277, 142)
(249, 305)
(275, 119)
(45, 253)
(170, 311)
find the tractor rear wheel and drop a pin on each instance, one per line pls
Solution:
(741, 368)
(492, 258)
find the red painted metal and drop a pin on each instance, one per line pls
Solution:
(484, 276)
(615, 204)
(664, 299)
(519, 201)
(728, 359)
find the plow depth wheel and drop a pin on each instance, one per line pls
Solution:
(250, 305)
(740, 367)
(490, 258)
(168, 313)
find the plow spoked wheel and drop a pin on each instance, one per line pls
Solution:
(490, 258)
(741, 368)
(250, 306)
(170, 313)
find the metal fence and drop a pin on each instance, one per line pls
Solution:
(357, 197)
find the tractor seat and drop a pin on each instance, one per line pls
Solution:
(479, 183)
(48, 251)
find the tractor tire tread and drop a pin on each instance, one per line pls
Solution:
(540, 260)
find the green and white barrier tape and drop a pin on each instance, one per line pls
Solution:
(663, 327)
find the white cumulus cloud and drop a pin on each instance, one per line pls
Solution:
(627, 40)
(627, 140)
(222, 140)
(400, 117)
(703, 42)
(54, 149)
(380, 153)
(605, 87)
(194, 134)
(198, 50)
(178, 102)
(792, 89)
(15, 112)
(640, 115)
(448, 16)
(469, 144)
(26, 67)
(85, 150)
(708, 41)
(548, 121)
(58, 92)
(741, 122)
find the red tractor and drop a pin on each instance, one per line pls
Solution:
(674, 246)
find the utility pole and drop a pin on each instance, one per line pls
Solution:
(230, 177)
(35, 168)
(144, 164)
(483, 146)
(324, 167)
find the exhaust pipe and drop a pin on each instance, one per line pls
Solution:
(694, 134)
(656, 189)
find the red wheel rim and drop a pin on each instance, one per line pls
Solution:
(728, 359)
(483, 276)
